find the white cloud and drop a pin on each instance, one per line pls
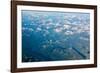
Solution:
(47, 27)
(74, 28)
(84, 38)
(58, 29)
(57, 24)
(69, 33)
(29, 29)
(66, 26)
(79, 31)
(38, 29)
(80, 28)
(24, 28)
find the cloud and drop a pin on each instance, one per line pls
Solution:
(38, 29)
(69, 33)
(57, 30)
(86, 39)
(27, 29)
(80, 28)
(66, 26)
